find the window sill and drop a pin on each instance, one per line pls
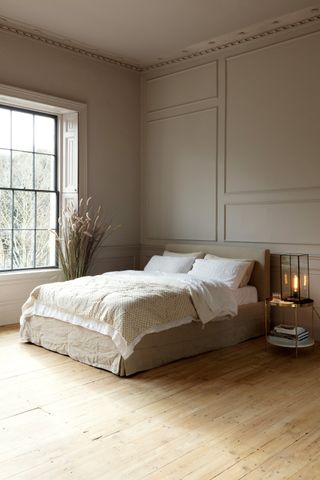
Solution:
(33, 275)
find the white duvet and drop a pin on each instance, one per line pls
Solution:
(129, 305)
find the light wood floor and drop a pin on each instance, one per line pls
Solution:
(237, 413)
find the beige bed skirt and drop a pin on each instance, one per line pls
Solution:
(156, 349)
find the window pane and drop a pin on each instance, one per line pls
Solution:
(44, 172)
(5, 128)
(5, 209)
(44, 134)
(46, 210)
(23, 249)
(24, 210)
(27, 171)
(22, 131)
(5, 250)
(22, 170)
(45, 249)
(5, 168)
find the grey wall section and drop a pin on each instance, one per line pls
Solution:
(206, 176)
(113, 100)
(260, 183)
(112, 95)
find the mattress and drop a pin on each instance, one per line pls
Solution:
(154, 350)
(245, 295)
(128, 305)
(191, 338)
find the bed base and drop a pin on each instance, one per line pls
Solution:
(154, 350)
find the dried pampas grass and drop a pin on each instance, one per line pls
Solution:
(81, 231)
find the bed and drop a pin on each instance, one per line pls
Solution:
(181, 340)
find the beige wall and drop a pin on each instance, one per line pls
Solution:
(112, 96)
(229, 153)
(235, 138)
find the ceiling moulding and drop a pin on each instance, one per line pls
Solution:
(47, 40)
(22, 32)
(233, 43)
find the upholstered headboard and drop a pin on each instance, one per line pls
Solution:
(261, 274)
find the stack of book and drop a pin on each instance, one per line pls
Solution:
(290, 333)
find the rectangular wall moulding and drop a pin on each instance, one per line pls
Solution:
(287, 223)
(273, 105)
(180, 177)
(192, 85)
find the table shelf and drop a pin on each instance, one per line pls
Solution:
(285, 342)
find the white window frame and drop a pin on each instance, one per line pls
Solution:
(65, 110)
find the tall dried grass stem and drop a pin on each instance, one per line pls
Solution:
(81, 232)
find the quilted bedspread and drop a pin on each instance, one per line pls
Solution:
(129, 305)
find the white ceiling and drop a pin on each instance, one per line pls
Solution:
(144, 32)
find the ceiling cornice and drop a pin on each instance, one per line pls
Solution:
(233, 43)
(22, 32)
(15, 29)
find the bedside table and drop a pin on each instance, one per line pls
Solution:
(285, 342)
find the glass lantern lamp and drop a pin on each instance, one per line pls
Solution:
(294, 271)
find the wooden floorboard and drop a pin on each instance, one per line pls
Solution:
(237, 413)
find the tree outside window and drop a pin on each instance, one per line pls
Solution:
(28, 189)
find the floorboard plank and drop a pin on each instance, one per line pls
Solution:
(237, 413)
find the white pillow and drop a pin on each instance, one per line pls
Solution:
(167, 253)
(159, 263)
(227, 271)
(246, 277)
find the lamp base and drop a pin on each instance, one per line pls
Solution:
(302, 301)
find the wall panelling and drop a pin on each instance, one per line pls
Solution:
(249, 164)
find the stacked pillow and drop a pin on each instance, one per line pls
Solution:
(172, 262)
(234, 273)
(167, 253)
(248, 272)
(168, 264)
